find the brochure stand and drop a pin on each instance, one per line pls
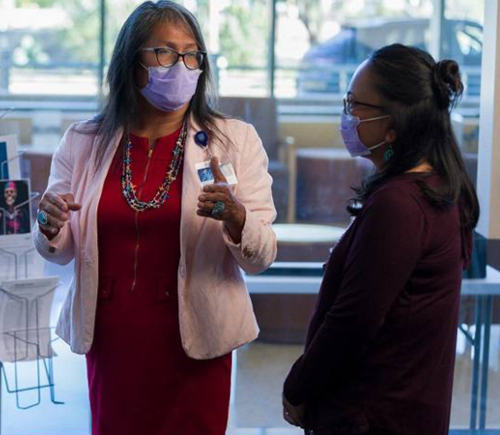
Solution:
(25, 305)
(29, 344)
(25, 335)
(4, 166)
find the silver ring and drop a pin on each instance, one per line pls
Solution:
(42, 217)
(218, 209)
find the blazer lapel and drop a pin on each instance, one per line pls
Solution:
(191, 223)
(95, 185)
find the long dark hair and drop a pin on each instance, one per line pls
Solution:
(121, 106)
(421, 94)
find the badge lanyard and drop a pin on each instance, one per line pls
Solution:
(203, 169)
(201, 139)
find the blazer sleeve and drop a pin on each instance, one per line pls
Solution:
(257, 249)
(60, 249)
(383, 254)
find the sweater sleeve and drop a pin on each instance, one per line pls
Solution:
(383, 254)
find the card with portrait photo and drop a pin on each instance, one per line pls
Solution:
(207, 177)
(15, 207)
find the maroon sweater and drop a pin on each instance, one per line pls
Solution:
(380, 349)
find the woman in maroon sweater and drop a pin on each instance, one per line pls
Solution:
(380, 349)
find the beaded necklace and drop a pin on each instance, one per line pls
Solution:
(128, 187)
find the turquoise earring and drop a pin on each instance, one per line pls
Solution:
(389, 152)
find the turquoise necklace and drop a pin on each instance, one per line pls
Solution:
(128, 188)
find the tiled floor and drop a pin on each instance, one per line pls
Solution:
(256, 403)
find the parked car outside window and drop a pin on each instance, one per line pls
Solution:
(328, 67)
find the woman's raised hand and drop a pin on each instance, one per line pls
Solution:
(54, 211)
(218, 202)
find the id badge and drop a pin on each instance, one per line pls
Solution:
(207, 177)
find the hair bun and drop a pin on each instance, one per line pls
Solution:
(447, 83)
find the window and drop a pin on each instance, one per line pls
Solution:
(49, 48)
(53, 58)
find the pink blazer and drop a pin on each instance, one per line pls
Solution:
(215, 310)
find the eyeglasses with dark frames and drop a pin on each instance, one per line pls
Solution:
(350, 104)
(168, 57)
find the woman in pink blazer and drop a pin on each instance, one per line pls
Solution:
(160, 201)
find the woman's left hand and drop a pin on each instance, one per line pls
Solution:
(218, 202)
(293, 414)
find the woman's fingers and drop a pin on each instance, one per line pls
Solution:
(206, 201)
(57, 209)
(216, 187)
(52, 225)
(59, 205)
(204, 213)
(206, 210)
(220, 193)
(74, 207)
(218, 175)
(56, 200)
(54, 222)
(53, 211)
(69, 200)
(209, 205)
(208, 214)
(49, 229)
(213, 197)
(205, 206)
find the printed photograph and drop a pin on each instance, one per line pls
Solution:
(205, 175)
(14, 207)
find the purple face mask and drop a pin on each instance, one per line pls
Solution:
(168, 89)
(349, 131)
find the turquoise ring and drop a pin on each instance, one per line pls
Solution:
(42, 217)
(218, 209)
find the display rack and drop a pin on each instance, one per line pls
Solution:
(32, 337)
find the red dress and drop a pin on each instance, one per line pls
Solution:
(140, 379)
